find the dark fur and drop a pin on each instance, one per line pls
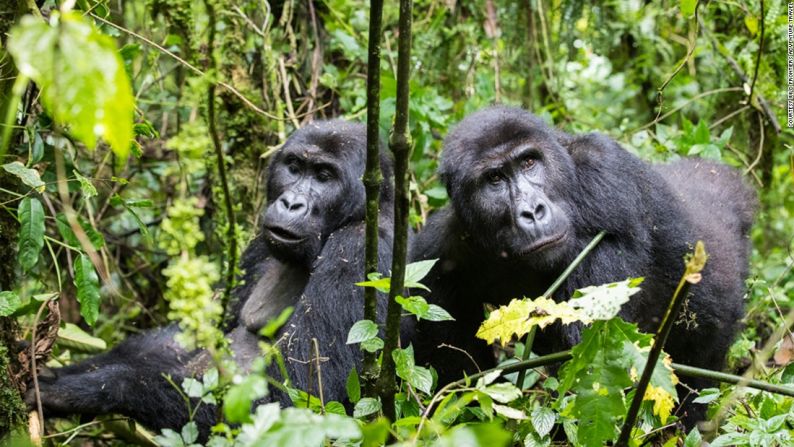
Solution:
(320, 276)
(653, 215)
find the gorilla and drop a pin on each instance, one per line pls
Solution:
(525, 199)
(308, 254)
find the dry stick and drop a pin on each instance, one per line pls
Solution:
(691, 276)
(689, 53)
(319, 371)
(547, 294)
(762, 102)
(400, 144)
(219, 160)
(34, 372)
(372, 180)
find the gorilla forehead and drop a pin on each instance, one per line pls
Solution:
(493, 133)
(342, 140)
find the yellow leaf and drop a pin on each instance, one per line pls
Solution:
(662, 402)
(518, 317)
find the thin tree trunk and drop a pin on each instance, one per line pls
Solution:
(400, 144)
(372, 181)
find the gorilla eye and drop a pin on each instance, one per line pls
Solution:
(324, 174)
(527, 163)
(495, 177)
(292, 164)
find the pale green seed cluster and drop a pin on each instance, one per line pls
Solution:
(190, 296)
(180, 230)
(190, 277)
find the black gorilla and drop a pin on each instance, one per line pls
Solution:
(526, 199)
(309, 254)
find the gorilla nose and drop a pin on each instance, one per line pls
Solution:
(292, 203)
(534, 214)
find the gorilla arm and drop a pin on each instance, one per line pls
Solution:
(128, 380)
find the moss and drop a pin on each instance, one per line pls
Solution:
(12, 408)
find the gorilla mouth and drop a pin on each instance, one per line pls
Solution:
(284, 236)
(543, 244)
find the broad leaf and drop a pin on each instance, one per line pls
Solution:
(29, 177)
(31, 231)
(87, 283)
(419, 377)
(9, 302)
(71, 336)
(518, 317)
(362, 331)
(82, 79)
(603, 302)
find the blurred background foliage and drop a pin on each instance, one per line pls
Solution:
(581, 65)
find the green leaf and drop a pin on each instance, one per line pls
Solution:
(87, 283)
(503, 392)
(597, 375)
(31, 231)
(353, 386)
(9, 302)
(375, 433)
(81, 76)
(365, 407)
(237, 403)
(375, 281)
(274, 324)
(96, 238)
(543, 419)
(190, 432)
(362, 331)
(416, 271)
(688, 7)
(372, 345)
(707, 396)
(71, 336)
(693, 439)
(30, 177)
(86, 186)
(419, 377)
(296, 427)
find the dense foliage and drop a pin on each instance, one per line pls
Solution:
(114, 215)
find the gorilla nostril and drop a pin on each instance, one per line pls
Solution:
(540, 211)
(528, 215)
(296, 206)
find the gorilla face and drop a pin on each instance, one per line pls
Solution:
(507, 184)
(314, 188)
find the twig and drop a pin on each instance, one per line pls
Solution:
(689, 101)
(760, 146)
(762, 102)
(195, 70)
(33, 368)
(372, 180)
(553, 288)
(691, 276)
(675, 72)
(319, 373)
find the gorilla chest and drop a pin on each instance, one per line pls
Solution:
(279, 287)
